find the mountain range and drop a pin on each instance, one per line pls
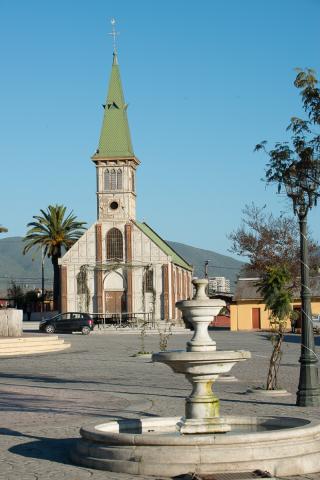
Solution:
(218, 266)
(26, 269)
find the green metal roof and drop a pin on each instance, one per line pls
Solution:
(154, 237)
(115, 138)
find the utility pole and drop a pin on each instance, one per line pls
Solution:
(42, 278)
(206, 263)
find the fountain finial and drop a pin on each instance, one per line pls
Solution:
(200, 286)
(200, 312)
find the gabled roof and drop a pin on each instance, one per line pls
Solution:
(246, 289)
(162, 244)
(115, 141)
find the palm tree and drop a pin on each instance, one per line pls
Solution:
(53, 231)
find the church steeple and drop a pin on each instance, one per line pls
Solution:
(115, 141)
(115, 161)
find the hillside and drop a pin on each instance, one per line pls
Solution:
(23, 269)
(26, 269)
(219, 265)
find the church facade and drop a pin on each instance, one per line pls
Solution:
(121, 265)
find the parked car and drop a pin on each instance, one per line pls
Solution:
(68, 322)
(316, 323)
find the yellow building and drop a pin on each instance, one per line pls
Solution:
(247, 311)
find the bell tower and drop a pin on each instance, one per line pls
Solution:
(114, 159)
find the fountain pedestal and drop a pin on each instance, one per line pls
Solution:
(202, 409)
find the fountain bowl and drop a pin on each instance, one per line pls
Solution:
(153, 446)
(201, 363)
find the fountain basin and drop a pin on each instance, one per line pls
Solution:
(201, 442)
(281, 445)
(212, 362)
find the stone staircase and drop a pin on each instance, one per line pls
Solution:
(31, 344)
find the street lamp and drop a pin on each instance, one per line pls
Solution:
(301, 186)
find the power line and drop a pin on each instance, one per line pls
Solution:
(218, 266)
(12, 277)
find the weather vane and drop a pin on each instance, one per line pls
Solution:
(114, 34)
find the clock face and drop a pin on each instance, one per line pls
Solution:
(114, 205)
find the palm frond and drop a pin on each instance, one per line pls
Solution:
(53, 230)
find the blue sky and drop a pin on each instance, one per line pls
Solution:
(205, 81)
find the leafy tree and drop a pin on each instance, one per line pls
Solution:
(21, 300)
(16, 294)
(31, 297)
(277, 297)
(54, 231)
(298, 160)
(268, 241)
(3, 229)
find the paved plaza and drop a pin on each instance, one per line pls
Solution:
(46, 398)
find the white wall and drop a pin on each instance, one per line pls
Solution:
(144, 253)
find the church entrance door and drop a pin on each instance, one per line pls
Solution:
(114, 302)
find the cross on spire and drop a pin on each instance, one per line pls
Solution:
(114, 35)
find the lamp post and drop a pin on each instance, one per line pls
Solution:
(301, 187)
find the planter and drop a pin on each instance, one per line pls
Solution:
(142, 355)
(280, 392)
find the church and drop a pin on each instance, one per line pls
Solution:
(120, 265)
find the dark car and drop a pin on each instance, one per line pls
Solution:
(316, 323)
(68, 322)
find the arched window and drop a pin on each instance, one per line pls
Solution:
(148, 281)
(106, 180)
(119, 179)
(113, 179)
(113, 183)
(114, 245)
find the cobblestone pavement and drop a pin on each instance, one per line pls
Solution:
(46, 398)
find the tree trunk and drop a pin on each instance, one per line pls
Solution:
(272, 380)
(56, 282)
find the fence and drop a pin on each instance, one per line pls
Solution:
(124, 319)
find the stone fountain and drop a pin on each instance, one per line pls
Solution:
(201, 364)
(201, 441)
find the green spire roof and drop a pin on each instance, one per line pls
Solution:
(115, 138)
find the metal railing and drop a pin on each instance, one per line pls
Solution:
(124, 319)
